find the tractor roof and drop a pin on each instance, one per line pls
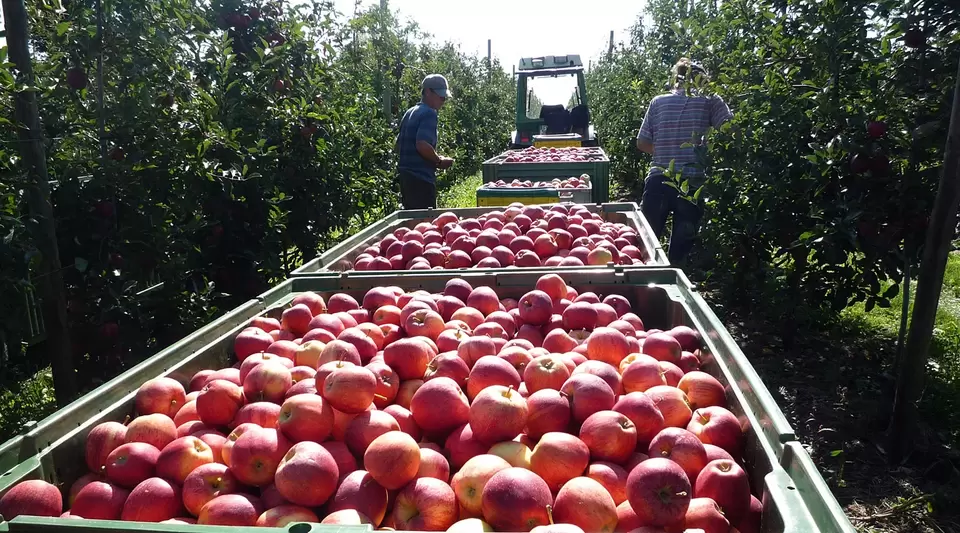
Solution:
(550, 62)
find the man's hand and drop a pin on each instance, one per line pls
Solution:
(445, 162)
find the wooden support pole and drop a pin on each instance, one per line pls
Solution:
(49, 278)
(943, 222)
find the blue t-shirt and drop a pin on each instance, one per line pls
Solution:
(419, 123)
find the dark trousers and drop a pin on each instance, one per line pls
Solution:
(659, 201)
(416, 193)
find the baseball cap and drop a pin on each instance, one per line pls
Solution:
(438, 84)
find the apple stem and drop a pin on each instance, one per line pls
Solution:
(682, 494)
(550, 514)
(126, 420)
(380, 397)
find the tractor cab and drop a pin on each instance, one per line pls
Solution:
(552, 103)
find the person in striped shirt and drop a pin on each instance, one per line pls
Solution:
(673, 124)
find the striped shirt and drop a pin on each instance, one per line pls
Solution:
(419, 123)
(674, 119)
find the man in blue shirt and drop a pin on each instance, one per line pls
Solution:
(416, 145)
(684, 115)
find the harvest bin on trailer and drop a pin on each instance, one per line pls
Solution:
(341, 257)
(795, 497)
(496, 168)
(503, 196)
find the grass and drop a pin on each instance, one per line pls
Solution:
(459, 194)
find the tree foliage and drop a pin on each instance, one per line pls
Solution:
(830, 166)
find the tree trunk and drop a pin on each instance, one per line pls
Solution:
(48, 280)
(929, 284)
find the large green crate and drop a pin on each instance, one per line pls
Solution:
(494, 169)
(661, 297)
(502, 197)
(340, 258)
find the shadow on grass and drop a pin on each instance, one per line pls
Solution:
(834, 379)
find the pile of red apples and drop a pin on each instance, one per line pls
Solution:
(459, 411)
(568, 154)
(582, 182)
(517, 236)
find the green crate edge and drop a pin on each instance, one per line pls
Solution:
(813, 493)
(357, 241)
(599, 172)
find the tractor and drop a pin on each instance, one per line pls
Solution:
(552, 124)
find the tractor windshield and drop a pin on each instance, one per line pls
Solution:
(557, 90)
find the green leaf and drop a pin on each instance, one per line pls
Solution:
(892, 291)
(80, 264)
(835, 453)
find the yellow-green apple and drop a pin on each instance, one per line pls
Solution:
(350, 389)
(393, 459)
(644, 414)
(98, 500)
(426, 504)
(461, 446)
(470, 525)
(450, 365)
(603, 371)
(607, 345)
(156, 429)
(584, 502)
(681, 447)
(718, 426)
(613, 477)
(219, 401)
(497, 414)
(588, 394)
(702, 390)
(490, 370)
(726, 483)
(547, 410)
(579, 315)
(308, 353)
(704, 514)
(160, 395)
(307, 475)
(673, 405)
(153, 500)
(227, 449)
(366, 427)
(256, 455)
(609, 435)
(101, 441)
(514, 452)
(468, 483)
(659, 492)
(205, 483)
(388, 383)
(306, 417)
(545, 372)
(346, 517)
(180, 457)
(671, 373)
(131, 463)
(439, 405)
(284, 515)
(231, 510)
(433, 464)
(516, 499)
(662, 347)
(558, 458)
(250, 341)
(360, 492)
(408, 357)
(346, 462)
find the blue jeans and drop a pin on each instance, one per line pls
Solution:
(658, 202)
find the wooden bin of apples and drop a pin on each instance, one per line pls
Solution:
(462, 410)
(567, 235)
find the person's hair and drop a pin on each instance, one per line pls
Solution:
(685, 71)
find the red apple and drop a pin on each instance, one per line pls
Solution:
(483, 299)
(671, 373)
(350, 389)
(717, 426)
(475, 347)
(220, 400)
(613, 478)
(307, 475)
(627, 520)
(585, 503)
(588, 394)
(227, 449)
(393, 459)
(553, 285)
(440, 405)
(469, 482)
(407, 389)
(535, 307)
(306, 417)
(408, 357)
(449, 365)
(659, 492)
(702, 390)
(603, 371)
(153, 500)
(231, 510)
(497, 413)
(558, 458)
(726, 483)
(160, 395)
(157, 430)
(256, 455)
(490, 370)
(335, 350)
(609, 435)
(32, 497)
(426, 504)
(98, 500)
(662, 347)
(251, 341)
(361, 340)
(750, 522)
(296, 319)
(388, 383)
(545, 372)
(688, 338)
(580, 315)
(366, 427)
(284, 515)
(681, 447)
(131, 463)
(182, 456)
(548, 410)
(101, 441)
(405, 419)
(516, 499)
(433, 464)
(205, 483)
(644, 414)
(462, 446)
(199, 380)
(263, 414)
(358, 491)
(705, 515)
(607, 345)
